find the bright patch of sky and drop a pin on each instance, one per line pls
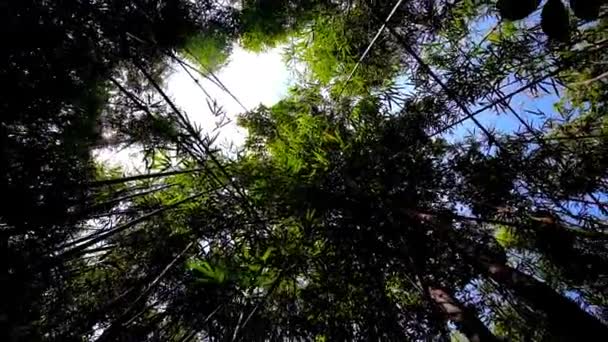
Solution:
(253, 78)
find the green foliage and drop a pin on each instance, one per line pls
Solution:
(207, 273)
(296, 138)
(268, 23)
(331, 46)
(341, 218)
(506, 31)
(507, 237)
(401, 292)
(210, 51)
(456, 336)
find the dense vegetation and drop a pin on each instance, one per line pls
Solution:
(387, 198)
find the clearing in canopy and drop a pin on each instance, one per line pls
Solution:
(437, 171)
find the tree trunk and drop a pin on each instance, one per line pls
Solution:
(464, 318)
(565, 318)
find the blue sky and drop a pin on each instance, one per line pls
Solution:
(505, 122)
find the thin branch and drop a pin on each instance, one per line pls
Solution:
(92, 239)
(130, 196)
(217, 81)
(241, 195)
(191, 335)
(497, 101)
(255, 309)
(591, 80)
(369, 46)
(114, 181)
(443, 86)
(120, 321)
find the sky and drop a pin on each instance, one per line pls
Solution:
(524, 103)
(264, 78)
(253, 78)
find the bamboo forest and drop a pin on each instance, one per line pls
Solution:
(435, 170)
